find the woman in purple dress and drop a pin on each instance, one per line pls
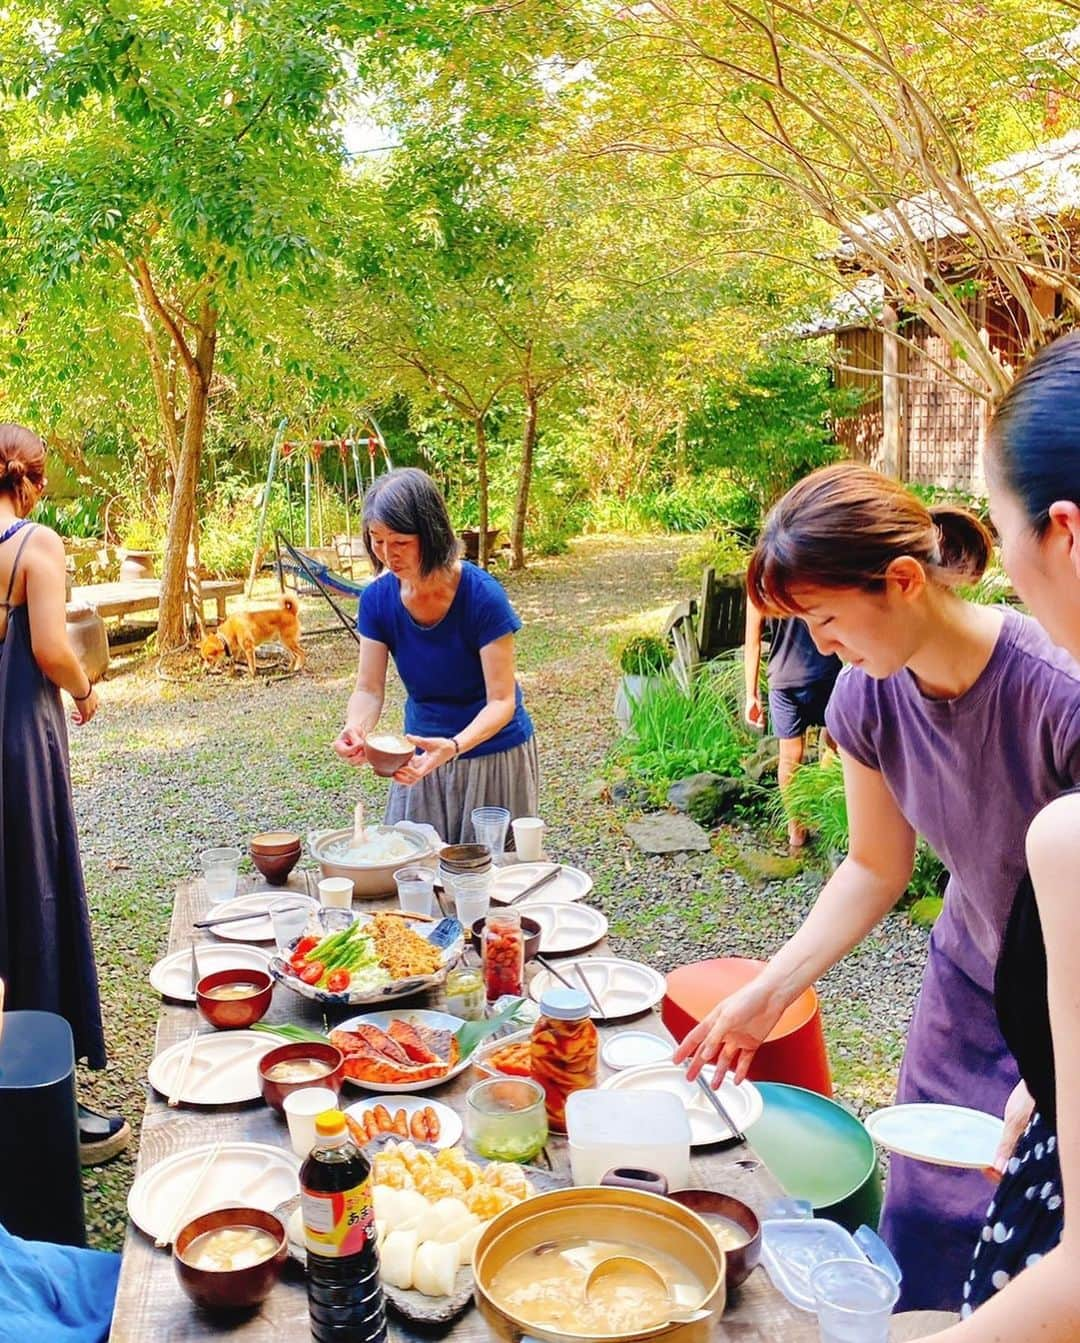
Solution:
(956, 722)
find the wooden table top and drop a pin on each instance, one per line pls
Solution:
(151, 1305)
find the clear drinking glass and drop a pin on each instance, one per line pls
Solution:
(416, 890)
(854, 1301)
(220, 868)
(489, 826)
(289, 921)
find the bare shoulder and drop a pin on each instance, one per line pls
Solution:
(1053, 838)
(45, 543)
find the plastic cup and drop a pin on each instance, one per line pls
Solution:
(854, 1300)
(220, 868)
(289, 922)
(336, 892)
(489, 826)
(528, 838)
(416, 890)
(470, 905)
(334, 920)
(301, 1110)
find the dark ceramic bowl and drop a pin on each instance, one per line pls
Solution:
(532, 930)
(274, 842)
(276, 867)
(230, 1289)
(234, 1014)
(705, 1202)
(274, 1093)
(385, 763)
(465, 857)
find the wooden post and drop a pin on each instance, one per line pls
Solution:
(893, 438)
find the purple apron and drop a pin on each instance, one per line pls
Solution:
(968, 774)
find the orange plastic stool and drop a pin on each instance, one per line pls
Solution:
(794, 1053)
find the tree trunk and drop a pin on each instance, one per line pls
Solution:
(893, 456)
(172, 630)
(521, 505)
(482, 484)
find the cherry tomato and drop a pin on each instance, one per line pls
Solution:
(305, 945)
(297, 963)
(337, 981)
(312, 972)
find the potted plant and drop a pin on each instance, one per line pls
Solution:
(644, 662)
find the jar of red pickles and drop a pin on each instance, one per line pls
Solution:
(564, 1050)
(503, 951)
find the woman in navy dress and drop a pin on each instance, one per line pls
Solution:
(46, 954)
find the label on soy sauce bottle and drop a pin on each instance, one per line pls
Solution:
(338, 1225)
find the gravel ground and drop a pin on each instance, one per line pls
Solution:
(168, 769)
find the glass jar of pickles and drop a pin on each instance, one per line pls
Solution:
(563, 1051)
(465, 997)
(503, 951)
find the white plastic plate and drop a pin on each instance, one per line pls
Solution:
(743, 1102)
(441, 1021)
(571, 884)
(258, 928)
(223, 1068)
(171, 976)
(566, 927)
(636, 1049)
(243, 1175)
(943, 1135)
(450, 1126)
(623, 988)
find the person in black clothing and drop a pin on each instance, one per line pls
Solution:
(800, 682)
(46, 955)
(1023, 1282)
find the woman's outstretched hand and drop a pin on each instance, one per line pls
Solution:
(435, 751)
(730, 1035)
(1018, 1111)
(349, 744)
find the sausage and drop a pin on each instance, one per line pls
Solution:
(417, 1126)
(401, 1123)
(382, 1119)
(357, 1131)
(431, 1123)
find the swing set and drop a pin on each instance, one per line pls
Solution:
(316, 568)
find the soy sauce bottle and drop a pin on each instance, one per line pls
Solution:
(345, 1298)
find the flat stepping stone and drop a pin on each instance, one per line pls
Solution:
(667, 832)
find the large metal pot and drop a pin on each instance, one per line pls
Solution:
(369, 880)
(628, 1216)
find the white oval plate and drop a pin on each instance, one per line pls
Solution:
(624, 988)
(743, 1103)
(258, 928)
(223, 1069)
(243, 1174)
(943, 1135)
(567, 927)
(636, 1049)
(570, 884)
(172, 974)
(450, 1126)
(441, 1021)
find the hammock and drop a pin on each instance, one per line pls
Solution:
(320, 576)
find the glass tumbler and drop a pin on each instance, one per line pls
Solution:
(490, 825)
(220, 868)
(416, 890)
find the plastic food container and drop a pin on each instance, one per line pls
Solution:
(647, 1130)
(791, 1248)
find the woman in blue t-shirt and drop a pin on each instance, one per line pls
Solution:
(450, 629)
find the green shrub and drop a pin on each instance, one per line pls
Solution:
(724, 550)
(73, 517)
(645, 655)
(673, 734)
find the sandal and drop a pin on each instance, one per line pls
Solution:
(101, 1136)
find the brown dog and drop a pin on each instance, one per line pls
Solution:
(244, 631)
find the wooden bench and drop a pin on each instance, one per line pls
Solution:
(707, 626)
(144, 594)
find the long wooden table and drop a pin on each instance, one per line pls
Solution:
(150, 1305)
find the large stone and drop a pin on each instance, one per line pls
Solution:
(706, 797)
(667, 832)
(629, 793)
(764, 760)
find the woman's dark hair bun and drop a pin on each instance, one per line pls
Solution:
(965, 543)
(12, 471)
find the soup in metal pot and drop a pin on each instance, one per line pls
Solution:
(545, 1287)
(298, 1070)
(229, 992)
(228, 1248)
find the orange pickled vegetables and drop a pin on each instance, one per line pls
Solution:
(563, 1055)
(515, 1059)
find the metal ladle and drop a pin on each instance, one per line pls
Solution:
(622, 1265)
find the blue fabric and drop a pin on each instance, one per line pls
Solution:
(439, 664)
(795, 709)
(55, 1293)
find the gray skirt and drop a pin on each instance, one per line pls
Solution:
(445, 797)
